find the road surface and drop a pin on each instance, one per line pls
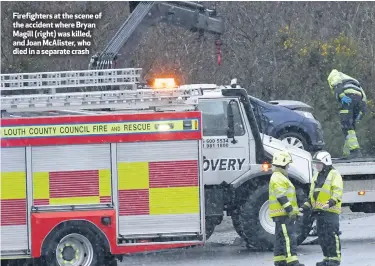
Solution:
(223, 249)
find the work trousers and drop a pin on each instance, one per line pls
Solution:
(348, 114)
(328, 227)
(285, 244)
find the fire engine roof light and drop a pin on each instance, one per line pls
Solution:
(164, 83)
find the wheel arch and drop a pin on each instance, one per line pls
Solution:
(77, 223)
(293, 128)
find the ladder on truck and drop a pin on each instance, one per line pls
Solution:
(110, 89)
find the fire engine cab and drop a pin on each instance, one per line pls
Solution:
(79, 187)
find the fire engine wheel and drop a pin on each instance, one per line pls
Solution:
(74, 246)
(74, 249)
(258, 229)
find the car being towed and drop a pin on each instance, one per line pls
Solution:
(290, 121)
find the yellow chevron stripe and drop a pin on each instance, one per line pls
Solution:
(105, 182)
(134, 175)
(13, 185)
(41, 185)
(174, 200)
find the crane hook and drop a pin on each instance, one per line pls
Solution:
(218, 51)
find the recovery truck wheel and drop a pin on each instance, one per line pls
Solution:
(258, 228)
(211, 222)
(237, 223)
(74, 245)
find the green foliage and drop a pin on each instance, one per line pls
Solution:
(345, 54)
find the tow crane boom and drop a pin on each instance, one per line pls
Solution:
(190, 15)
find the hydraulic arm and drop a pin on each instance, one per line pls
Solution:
(190, 15)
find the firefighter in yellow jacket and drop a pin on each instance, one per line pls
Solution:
(353, 100)
(283, 210)
(325, 201)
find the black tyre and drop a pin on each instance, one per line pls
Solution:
(78, 245)
(257, 228)
(255, 232)
(237, 223)
(294, 139)
(21, 262)
(110, 260)
(211, 222)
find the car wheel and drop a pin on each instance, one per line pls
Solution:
(294, 139)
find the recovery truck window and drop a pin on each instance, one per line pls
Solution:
(215, 121)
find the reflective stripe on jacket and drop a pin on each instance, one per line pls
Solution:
(282, 194)
(331, 190)
(345, 89)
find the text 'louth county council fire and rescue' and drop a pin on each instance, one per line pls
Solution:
(93, 129)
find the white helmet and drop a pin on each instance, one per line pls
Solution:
(322, 157)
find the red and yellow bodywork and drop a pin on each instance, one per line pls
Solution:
(140, 170)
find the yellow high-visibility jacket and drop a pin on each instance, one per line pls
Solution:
(330, 192)
(282, 195)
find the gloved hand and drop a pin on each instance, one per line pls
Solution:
(326, 206)
(346, 99)
(304, 208)
(293, 216)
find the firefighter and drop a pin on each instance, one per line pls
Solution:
(325, 201)
(350, 94)
(284, 211)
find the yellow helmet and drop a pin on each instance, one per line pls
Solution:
(336, 77)
(281, 158)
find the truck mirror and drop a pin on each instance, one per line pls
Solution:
(230, 133)
(230, 130)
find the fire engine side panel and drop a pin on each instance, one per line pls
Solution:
(68, 167)
(71, 174)
(158, 187)
(14, 234)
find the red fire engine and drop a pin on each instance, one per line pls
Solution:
(79, 187)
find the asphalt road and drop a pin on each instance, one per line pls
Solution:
(225, 249)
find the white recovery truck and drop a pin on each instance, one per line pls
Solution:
(243, 193)
(236, 157)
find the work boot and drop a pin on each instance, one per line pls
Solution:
(332, 263)
(295, 263)
(321, 263)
